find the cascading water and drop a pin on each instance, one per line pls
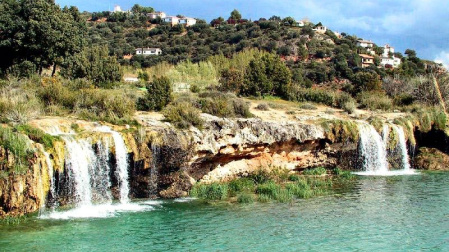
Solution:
(121, 155)
(402, 145)
(372, 150)
(89, 176)
(80, 158)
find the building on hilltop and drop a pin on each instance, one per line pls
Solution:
(157, 14)
(367, 60)
(173, 20)
(320, 29)
(117, 8)
(365, 43)
(187, 21)
(148, 51)
(388, 60)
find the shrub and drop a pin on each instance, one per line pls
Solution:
(241, 108)
(349, 107)
(245, 198)
(270, 188)
(17, 145)
(260, 176)
(183, 115)
(315, 171)
(100, 104)
(215, 191)
(375, 100)
(38, 135)
(159, 94)
(314, 95)
(308, 106)
(262, 106)
(241, 185)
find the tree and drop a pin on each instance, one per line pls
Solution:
(231, 80)
(410, 53)
(267, 75)
(40, 32)
(366, 81)
(159, 94)
(288, 21)
(235, 15)
(95, 64)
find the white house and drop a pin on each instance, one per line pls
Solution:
(148, 51)
(320, 29)
(299, 24)
(388, 59)
(157, 14)
(117, 8)
(187, 21)
(388, 51)
(365, 43)
(172, 20)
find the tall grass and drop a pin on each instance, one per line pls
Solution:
(275, 185)
(19, 146)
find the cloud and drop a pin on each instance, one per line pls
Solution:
(443, 58)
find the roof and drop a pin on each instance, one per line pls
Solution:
(148, 48)
(365, 41)
(366, 56)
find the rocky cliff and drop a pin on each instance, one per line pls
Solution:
(166, 162)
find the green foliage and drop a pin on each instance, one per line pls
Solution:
(215, 191)
(223, 105)
(341, 131)
(18, 145)
(183, 115)
(38, 34)
(375, 100)
(315, 171)
(37, 135)
(95, 64)
(266, 75)
(314, 95)
(245, 198)
(108, 105)
(366, 81)
(159, 94)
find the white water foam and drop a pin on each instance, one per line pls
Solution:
(186, 199)
(121, 156)
(402, 144)
(372, 149)
(96, 211)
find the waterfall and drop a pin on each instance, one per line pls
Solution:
(372, 149)
(402, 145)
(52, 190)
(121, 156)
(100, 181)
(89, 176)
(80, 158)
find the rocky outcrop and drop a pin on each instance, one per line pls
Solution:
(432, 159)
(166, 162)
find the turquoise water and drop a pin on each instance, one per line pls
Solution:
(402, 213)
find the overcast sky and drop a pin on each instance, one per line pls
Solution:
(422, 25)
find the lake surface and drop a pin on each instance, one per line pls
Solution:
(399, 213)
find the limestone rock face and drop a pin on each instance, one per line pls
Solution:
(432, 159)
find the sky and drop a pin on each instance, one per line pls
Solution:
(421, 25)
